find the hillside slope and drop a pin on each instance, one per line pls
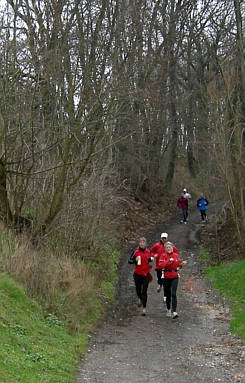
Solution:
(34, 348)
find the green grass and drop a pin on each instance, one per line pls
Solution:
(108, 267)
(204, 256)
(37, 347)
(229, 279)
(34, 348)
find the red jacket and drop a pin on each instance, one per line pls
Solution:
(159, 249)
(171, 266)
(144, 268)
(182, 203)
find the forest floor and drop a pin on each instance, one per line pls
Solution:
(196, 347)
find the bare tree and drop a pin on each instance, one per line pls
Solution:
(62, 100)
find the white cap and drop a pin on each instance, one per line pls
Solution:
(184, 190)
(164, 235)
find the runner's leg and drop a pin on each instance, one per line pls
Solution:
(174, 285)
(138, 285)
(145, 282)
(159, 277)
(167, 288)
(164, 290)
(184, 214)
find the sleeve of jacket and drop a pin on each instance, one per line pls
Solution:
(136, 254)
(180, 264)
(154, 249)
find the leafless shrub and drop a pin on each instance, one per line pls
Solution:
(90, 217)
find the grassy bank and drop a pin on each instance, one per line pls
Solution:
(229, 279)
(48, 304)
(34, 348)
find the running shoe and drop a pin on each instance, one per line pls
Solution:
(168, 314)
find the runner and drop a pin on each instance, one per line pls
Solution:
(182, 204)
(171, 264)
(188, 196)
(202, 204)
(142, 275)
(157, 251)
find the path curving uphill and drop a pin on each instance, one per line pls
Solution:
(195, 348)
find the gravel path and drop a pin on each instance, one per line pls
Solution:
(197, 347)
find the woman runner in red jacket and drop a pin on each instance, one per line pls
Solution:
(142, 275)
(170, 265)
(157, 251)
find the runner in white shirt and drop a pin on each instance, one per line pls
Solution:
(188, 196)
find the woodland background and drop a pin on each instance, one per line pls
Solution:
(107, 108)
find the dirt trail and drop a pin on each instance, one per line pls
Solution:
(197, 347)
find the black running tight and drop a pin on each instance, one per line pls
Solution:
(170, 290)
(141, 285)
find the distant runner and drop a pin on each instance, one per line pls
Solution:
(202, 204)
(182, 204)
(188, 196)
